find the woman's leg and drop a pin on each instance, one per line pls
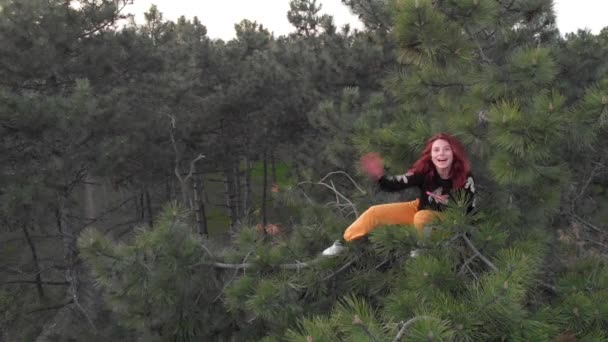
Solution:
(393, 213)
(423, 218)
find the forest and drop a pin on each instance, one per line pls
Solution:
(161, 185)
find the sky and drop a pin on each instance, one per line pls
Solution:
(219, 16)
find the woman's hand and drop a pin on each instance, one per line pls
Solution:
(372, 165)
(443, 199)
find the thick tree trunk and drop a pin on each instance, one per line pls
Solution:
(36, 263)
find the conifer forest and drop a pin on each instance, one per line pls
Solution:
(160, 185)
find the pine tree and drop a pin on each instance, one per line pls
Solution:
(486, 71)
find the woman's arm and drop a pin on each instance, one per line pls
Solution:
(373, 165)
(400, 182)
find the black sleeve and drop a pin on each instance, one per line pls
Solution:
(400, 182)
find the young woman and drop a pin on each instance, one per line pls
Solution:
(441, 169)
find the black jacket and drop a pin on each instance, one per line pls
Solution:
(436, 185)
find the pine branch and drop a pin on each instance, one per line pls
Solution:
(228, 282)
(481, 256)
(54, 283)
(48, 236)
(345, 266)
(182, 180)
(333, 188)
(479, 48)
(588, 224)
(406, 325)
(53, 307)
(359, 323)
(246, 265)
(466, 264)
(73, 292)
(348, 176)
(90, 221)
(473, 273)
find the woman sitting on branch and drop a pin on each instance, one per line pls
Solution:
(442, 169)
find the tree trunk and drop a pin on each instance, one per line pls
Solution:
(230, 195)
(168, 196)
(142, 206)
(237, 189)
(186, 198)
(264, 189)
(70, 252)
(136, 205)
(247, 192)
(201, 217)
(273, 167)
(149, 206)
(202, 208)
(89, 197)
(36, 263)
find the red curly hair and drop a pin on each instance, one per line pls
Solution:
(460, 166)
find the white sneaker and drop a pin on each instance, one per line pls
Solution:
(334, 249)
(414, 253)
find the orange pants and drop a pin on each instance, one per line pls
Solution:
(404, 213)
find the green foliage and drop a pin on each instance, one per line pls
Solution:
(426, 36)
(131, 107)
(154, 284)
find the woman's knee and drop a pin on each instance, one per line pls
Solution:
(373, 210)
(422, 218)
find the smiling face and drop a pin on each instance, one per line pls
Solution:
(442, 156)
